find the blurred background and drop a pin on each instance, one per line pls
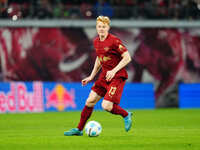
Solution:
(86, 9)
(49, 44)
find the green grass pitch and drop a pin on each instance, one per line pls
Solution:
(160, 129)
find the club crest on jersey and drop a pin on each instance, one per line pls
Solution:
(121, 47)
(106, 48)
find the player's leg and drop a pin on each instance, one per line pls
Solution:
(117, 110)
(85, 114)
(114, 108)
(112, 99)
(88, 109)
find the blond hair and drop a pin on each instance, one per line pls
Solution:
(103, 19)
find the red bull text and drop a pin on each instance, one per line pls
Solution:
(16, 98)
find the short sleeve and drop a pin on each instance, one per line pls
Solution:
(119, 46)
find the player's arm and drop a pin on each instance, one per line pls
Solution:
(97, 67)
(126, 58)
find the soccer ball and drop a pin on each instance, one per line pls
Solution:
(93, 128)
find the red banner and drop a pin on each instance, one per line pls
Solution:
(163, 56)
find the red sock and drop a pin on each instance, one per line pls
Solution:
(118, 110)
(85, 115)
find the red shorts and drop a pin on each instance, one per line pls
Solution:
(111, 91)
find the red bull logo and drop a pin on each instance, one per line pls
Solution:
(60, 98)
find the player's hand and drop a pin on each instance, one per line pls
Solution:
(86, 80)
(109, 75)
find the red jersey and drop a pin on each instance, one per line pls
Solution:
(109, 53)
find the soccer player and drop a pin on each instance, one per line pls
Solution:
(112, 57)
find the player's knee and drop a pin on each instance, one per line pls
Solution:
(106, 106)
(91, 101)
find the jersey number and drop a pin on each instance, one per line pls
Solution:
(112, 91)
